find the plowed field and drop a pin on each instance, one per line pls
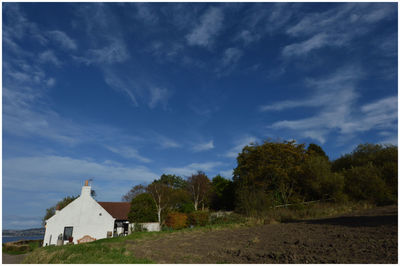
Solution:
(369, 236)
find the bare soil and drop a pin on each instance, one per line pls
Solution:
(369, 236)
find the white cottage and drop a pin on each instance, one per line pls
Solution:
(85, 219)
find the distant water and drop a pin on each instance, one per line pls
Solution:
(17, 238)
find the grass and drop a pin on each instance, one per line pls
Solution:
(22, 247)
(89, 253)
(312, 211)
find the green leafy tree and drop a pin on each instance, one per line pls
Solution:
(143, 209)
(319, 181)
(60, 205)
(382, 161)
(222, 193)
(268, 175)
(314, 149)
(364, 183)
(173, 181)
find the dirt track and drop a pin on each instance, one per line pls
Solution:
(365, 237)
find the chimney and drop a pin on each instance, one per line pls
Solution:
(57, 209)
(86, 189)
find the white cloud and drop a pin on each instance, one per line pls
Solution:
(62, 39)
(49, 57)
(129, 153)
(65, 174)
(203, 146)
(227, 173)
(114, 52)
(167, 142)
(193, 168)
(335, 27)
(51, 82)
(341, 114)
(239, 145)
(205, 32)
(118, 84)
(303, 48)
(231, 56)
(158, 96)
(247, 37)
(145, 13)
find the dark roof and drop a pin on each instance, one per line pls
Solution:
(118, 210)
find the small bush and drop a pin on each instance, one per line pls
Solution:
(176, 220)
(200, 218)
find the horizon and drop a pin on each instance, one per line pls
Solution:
(124, 92)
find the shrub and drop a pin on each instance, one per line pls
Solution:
(143, 209)
(364, 183)
(200, 218)
(176, 220)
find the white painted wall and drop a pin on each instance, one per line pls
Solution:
(151, 227)
(86, 217)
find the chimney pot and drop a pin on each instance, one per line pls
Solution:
(86, 183)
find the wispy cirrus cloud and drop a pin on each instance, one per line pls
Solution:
(315, 42)
(239, 145)
(129, 153)
(229, 61)
(64, 174)
(335, 27)
(144, 12)
(207, 29)
(231, 56)
(343, 115)
(158, 96)
(119, 84)
(193, 168)
(49, 57)
(113, 52)
(205, 146)
(62, 39)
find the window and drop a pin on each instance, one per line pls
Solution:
(67, 232)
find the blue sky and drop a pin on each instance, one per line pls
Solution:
(122, 93)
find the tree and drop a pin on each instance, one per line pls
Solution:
(365, 183)
(60, 205)
(131, 194)
(222, 193)
(161, 195)
(314, 149)
(268, 175)
(143, 209)
(199, 186)
(319, 181)
(173, 181)
(370, 164)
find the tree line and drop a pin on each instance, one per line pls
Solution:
(172, 193)
(268, 175)
(276, 174)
